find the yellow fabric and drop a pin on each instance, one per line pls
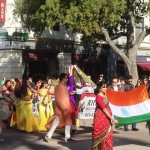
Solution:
(44, 104)
(77, 122)
(29, 92)
(78, 73)
(51, 109)
(42, 118)
(13, 119)
(43, 92)
(25, 117)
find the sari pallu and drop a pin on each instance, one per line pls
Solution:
(102, 133)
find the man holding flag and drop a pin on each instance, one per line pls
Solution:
(130, 107)
(129, 86)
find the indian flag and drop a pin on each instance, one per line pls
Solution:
(130, 107)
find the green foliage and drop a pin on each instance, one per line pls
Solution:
(27, 10)
(86, 16)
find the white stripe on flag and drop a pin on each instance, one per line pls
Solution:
(133, 110)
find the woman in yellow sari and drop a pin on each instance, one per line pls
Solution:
(51, 95)
(44, 106)
(25, 119)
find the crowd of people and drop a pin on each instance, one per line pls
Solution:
(41, 106)
(38, 104)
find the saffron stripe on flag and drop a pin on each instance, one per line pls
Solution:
(132, 97)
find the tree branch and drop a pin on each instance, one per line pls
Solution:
(141, 38)
(114, 47)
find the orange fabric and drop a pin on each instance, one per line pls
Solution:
(62, 106)
(62, 97)
(132, 97)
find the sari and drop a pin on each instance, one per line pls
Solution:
(44, 109)
(25, 117)
(102, 133)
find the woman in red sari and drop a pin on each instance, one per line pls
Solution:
(102, 133)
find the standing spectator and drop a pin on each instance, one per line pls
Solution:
(114, 86)
(129, 86)
(147, 83)
(101, 78)
(122, 84)
(7, 87)
(102, 133)
(79, 90)
(138, 83)
(62, 116)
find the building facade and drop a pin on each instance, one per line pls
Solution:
(22, 55)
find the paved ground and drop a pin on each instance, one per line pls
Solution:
(17, 140)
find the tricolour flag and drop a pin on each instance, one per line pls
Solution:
(130, 107)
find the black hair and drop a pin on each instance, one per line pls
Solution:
(129, 77)
(42, 84)
(62, 76)
(99, 86)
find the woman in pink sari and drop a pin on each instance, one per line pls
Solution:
(102, 133)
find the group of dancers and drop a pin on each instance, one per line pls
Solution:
(33, 106)
(35, 109)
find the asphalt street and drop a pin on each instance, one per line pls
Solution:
(125, 140)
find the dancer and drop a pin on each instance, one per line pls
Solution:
(25, 118)
(43, 106)
(51, 88)
(62, 109)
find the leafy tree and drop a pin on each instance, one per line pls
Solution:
(98, 20)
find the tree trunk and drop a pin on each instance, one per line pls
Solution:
(133, 71)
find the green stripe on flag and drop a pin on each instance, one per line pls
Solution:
(133, 119)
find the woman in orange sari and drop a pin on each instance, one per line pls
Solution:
(102, 133)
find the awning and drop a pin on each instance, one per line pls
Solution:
(144, 66)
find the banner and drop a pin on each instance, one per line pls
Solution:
(87, 106)
(130, 107)
(2, 10)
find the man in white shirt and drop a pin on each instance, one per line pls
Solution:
(115, 87)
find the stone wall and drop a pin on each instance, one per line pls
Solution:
(10, 64)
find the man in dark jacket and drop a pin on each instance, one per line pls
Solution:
(114, 86)
(127, 87)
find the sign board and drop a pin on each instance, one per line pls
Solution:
(2, 10)
(87, 106)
